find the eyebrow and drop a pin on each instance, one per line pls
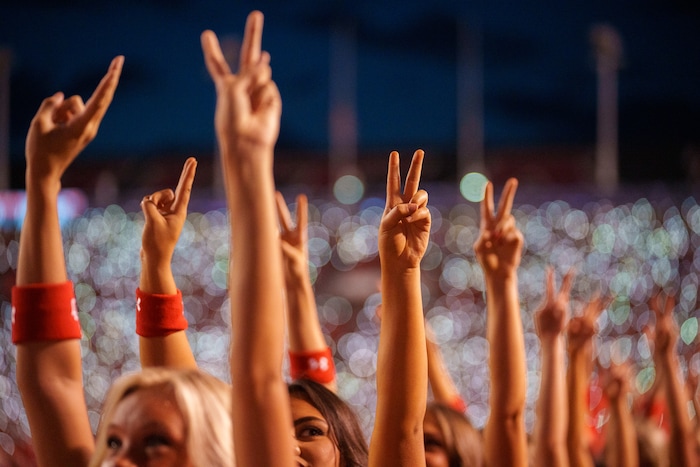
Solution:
(301, 420)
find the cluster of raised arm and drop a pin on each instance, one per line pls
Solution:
(272, 297)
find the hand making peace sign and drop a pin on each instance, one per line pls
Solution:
(499, 245)
(404, 231)
(248, 104)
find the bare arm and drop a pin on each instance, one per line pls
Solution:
(49, 373)
(498, 250)
(247, 120)
(165, 213)
(402, 373)
(621, 437)
(309, 353)
(552, 407)
(444, 388)
(580, 331)
(682, 447)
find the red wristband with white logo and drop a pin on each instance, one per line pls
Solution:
(314, 365)
(159, 315)
(44, 312)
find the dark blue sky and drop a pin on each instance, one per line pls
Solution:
(539, 82)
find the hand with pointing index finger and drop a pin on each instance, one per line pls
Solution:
(404, 231)
(165, 213)
(63, 127)
(499, 246)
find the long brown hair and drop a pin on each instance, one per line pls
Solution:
(463, 443)
(344, 427)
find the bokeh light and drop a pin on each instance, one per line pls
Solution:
(626, 249)
(472, 186)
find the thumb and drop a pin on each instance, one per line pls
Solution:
(150, 210)
(44, 115)
(397, 213)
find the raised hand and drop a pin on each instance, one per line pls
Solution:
(551, 316)
(63, 127)
(294, 237)
(583, 327)
(404, 231)
(248, 105)
(616, 380)
(666, 329)
(499, 245)
(165, 213)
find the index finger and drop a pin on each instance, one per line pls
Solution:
(252, 40)
(487, 206)
(285, 218)
(413, 177)
(302, 213)
(98, 103)
(184, 185)
(505, 204)
(213, 57)
(567, 282)
(549, 284)
(393, 181)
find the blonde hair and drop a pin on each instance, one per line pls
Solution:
(203, 400)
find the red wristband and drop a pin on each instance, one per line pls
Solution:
(44, 312)
(158, 315)
(316, 365)
(458, 404)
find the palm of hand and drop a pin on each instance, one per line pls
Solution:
(551, 320)
(407, 241)
(245, 121)
(52, 148)
(580, 331)
(160, 234)
(499, 253)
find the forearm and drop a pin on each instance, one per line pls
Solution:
(401, 371)
(621, 438)
(41, 258)
(507, 354)
(157, 276)
(50, 381)
(256, 279)
(682, 442)
(304, 329)
(170, 349)
(260, 399)
(552, 410)
(441, 383)
(507, 371)
(577, 434)
(49, 373)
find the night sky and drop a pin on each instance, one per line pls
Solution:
(539, 81)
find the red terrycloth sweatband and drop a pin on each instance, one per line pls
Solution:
(44, 312)
(458, 404)
(315, 365)
(158, 315)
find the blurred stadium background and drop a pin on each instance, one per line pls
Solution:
(487, 91)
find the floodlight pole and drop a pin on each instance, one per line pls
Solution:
(470, 118)
(607, 46)
(342, 111)
(5, 64)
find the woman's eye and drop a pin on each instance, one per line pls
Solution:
(156, 441)
(432, 443)
(310, 432)
(113, 442)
